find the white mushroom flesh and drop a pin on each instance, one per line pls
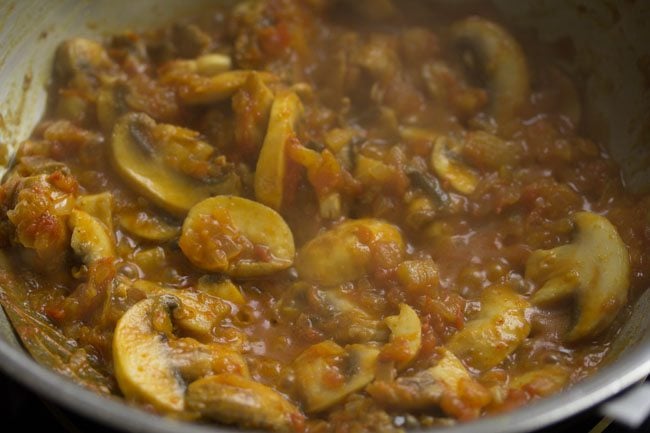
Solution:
(447, 380)
(91, 239)
(499, 59)
(315, 369)
(271, 164)
(347, 251)
(153, 366)
(234, 399)
(593, 270)
(405, 337)
(445, 163)
(148, 225)
(138, 163)
(99, 206)
(195, 88)
(497, 331)
(236, 236)
(142, 364)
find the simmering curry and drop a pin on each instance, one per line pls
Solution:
(318, 216)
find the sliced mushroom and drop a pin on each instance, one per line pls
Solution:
(143, 369)
(326, 372)
(237, 236)
(194, 360)
(348, 322)
(194, 88)
(222, 288)
(206, 65)
(152, 366)
(418, 276)
(349, 251)
(333, 312)
(112, 103)
(271, 164)
(200, 315)
(90, 238)
(444, 161)
(594, 270)
(100, 206)
(486, 151)
(447, 381)
(490, 52)
(374, 173)
(147, 225)
(136, 159)
(405, 337)
(447, 87)
(80, 63)
(497, 331)
(236, 400)
(252, 108)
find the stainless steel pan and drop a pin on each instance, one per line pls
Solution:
(611, 57)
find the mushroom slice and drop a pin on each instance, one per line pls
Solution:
(100, 206)
(80, 63)
(206, 65)
(237, 236)
(143, 367)
(234, 399)
(594, 269)
(200, 314)
(444, 161)
(194, 360)
(90, 238)
(152, 365)
(194, 88)
(222, 288)
(271, 164)
(148, 225)
(496, 57)
(333, 312)
(326, 372)
(405, 338)
(349, 250)
(111, 104)
(447, 381)
(138, 161)
(501, 326)
(219, 87)
(251, 106)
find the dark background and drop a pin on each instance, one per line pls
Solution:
(22, 410)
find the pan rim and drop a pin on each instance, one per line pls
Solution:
(628, 369)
